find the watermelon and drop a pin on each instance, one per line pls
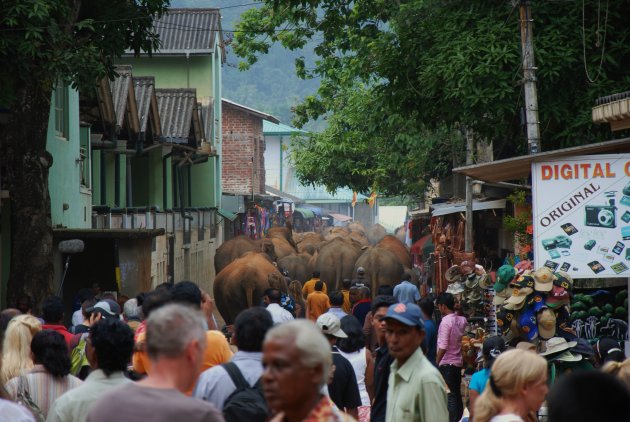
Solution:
(595, 311)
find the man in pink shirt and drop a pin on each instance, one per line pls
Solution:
(449, 353)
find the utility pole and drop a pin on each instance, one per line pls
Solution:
(468, 241)
(529, 77)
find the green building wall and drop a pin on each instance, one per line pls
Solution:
(176, 72)
(70, 201)
(204, 74)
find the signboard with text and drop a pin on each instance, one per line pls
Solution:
(581, 211)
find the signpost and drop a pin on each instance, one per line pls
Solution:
(581, 208)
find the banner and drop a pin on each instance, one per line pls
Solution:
(581, 211)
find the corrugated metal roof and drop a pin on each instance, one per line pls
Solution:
(249, 110)
(144, 88)
(278, 129)
(191, 31)
(120, 91)
(517, 168)
(176, 107)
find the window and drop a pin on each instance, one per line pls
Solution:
(61, 110)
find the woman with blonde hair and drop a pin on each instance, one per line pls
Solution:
(516, 388)
(16, 350)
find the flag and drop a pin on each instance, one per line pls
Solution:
(372, 199)
(354, 199)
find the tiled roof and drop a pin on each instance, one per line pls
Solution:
(144, 88)
(177, 108)
(120, 87)
(611, 98)
(188, 31)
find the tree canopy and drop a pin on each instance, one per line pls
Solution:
(44, 43)
(401, 79)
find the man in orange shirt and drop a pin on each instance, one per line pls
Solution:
(317, 302)
(309, 286)
(345, 289)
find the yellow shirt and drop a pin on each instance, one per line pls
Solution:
(309, 287)
(317, 303)
(217, 352)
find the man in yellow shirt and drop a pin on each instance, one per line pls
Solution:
(317, 302)
(309, 286)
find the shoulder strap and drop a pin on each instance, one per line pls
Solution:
(235, 374)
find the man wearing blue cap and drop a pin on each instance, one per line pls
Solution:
(416, 389)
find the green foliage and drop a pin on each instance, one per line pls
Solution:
(398, 75)
(43, 41)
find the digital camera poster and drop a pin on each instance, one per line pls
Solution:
(581, 211)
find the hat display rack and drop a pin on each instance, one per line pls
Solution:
(532, 305)
(472, 288)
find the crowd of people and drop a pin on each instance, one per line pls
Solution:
(308, 354)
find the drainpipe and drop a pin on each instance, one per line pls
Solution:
(117, 180)
(164, 181)
(129, 183)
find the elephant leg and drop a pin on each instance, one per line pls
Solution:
(249, 295)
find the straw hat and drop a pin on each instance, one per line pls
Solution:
(557, 345)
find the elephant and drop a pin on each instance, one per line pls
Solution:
(309, 242)
(336, 232)
(398, 248)
(297, 265)
(242, 283)
(355, 226)
(360, 237)
(282, 247)
(282, 233)
(235, 248)
(381, 267)
(335, 261)
(376, 233)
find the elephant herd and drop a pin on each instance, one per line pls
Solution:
(245, 268)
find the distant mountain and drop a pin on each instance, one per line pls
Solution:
(271, 84)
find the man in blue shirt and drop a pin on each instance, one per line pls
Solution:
(429, 344)
(406, 292)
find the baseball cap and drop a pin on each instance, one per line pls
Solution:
(527, 321)
(505, 274)
(331, 325)
(546, 323)
(544, 279)
(106, 307)
(407, 313)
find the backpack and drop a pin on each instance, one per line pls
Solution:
(24, 398)
(78, 357)
(246, 403)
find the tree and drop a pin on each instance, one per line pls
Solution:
(44, 43)
(398, 75)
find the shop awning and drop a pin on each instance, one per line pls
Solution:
(517, 168)
(305, 213)
(423, 246)
(227, 214)
(340, 217)
(452, 208)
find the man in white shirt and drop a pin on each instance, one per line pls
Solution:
(250, 327)
(278, 313)
(108, 350)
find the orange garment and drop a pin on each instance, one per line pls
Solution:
(347, 306)
(217, 352)
(309, 287)
(317, 303)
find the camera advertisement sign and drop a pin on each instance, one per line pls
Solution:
(581, 211)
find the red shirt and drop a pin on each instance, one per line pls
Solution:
(71, 339)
